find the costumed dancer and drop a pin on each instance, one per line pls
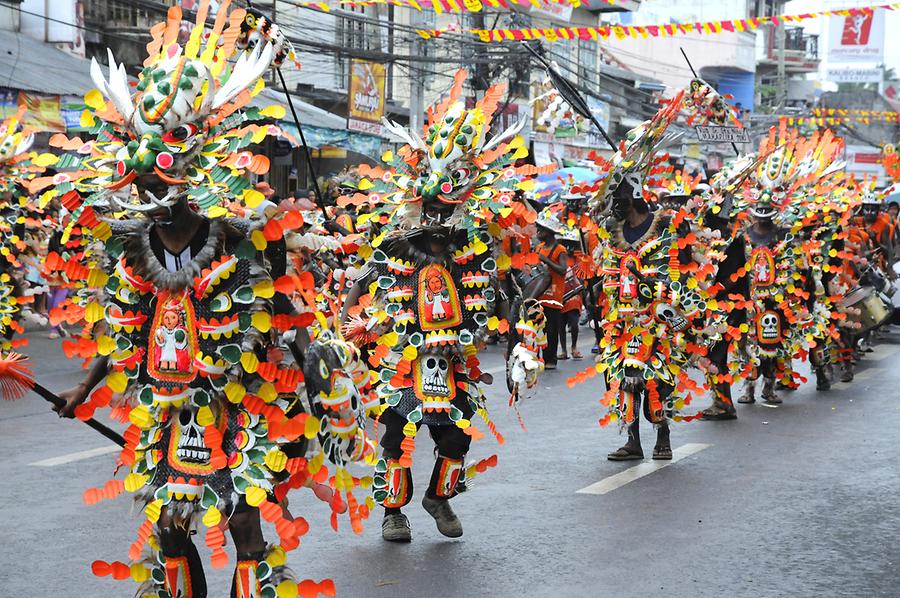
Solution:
(19, 219)
(428, 296)
(766, 210)
(190, 329)
(656, 317)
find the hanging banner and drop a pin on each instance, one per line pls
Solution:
(857, 37)
(365, 96)
(711, 134)
(42, 111)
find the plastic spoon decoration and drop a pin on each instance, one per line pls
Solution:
(16, 379)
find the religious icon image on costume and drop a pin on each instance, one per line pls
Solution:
(173, 341)
(627, 280)
(438, 299)
(763, 267)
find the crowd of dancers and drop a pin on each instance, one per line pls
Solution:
(253, 347)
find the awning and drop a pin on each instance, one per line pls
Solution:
(307, 113)
(32, 65)
(320, 127)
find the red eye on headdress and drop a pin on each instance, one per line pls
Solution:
(179, 134)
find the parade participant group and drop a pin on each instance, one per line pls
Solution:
(252, 350)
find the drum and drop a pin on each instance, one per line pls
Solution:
(855, 296)
(874, 311)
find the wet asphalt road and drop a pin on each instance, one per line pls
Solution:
(798, 500)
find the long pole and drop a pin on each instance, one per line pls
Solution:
(309, 164)
(58, 402)
(570, 94)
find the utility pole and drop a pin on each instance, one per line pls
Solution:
(482, 69)
(780, 78)
(416, 80)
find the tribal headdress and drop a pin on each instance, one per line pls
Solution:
(19, 165)
(454, 164)
(638, 154)
(792, 164)
(890, 159)
(187, 122)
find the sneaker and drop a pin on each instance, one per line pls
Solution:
(447, 521)
(395, 528)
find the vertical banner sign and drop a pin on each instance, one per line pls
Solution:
(856, 38)
(365, 97)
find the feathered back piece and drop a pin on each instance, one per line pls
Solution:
(187, 120)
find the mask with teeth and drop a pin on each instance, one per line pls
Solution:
(188, 452)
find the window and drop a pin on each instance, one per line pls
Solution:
(587, 64)
(351, 34)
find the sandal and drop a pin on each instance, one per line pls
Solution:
(716, 413)
(662, 453)
(562, 356)
(576, 354)
(625, 454)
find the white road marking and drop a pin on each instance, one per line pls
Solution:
(638, 471)
(80, 455)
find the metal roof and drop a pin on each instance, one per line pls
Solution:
(32, 65)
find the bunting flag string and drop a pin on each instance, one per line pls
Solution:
(837, 120)
(874, 114)
(608, 32)
(449, 6)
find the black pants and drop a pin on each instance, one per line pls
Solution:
(450, 440)
(452, 444)
(554, 316)
(569, 320)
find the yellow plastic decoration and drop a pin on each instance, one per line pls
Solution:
(117, 382)
(140, 416)
(286, 589)
(276, 460)
(262, 321)
(94, 312)
(311, 427)
(235, 392)
(267, 392)
(250, 362)
(258, 240)
(139, 573)
(135, 481)
(255, 496)
(212, 517)
(205, 416)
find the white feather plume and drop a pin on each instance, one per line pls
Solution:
(248, 68)
(408, 136)
(116, 88)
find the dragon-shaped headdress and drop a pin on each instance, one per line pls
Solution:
(187, 121)
(454, 163)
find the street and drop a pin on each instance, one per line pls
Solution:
(794, 500)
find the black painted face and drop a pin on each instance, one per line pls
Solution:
(435, 221)
(869, 212)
